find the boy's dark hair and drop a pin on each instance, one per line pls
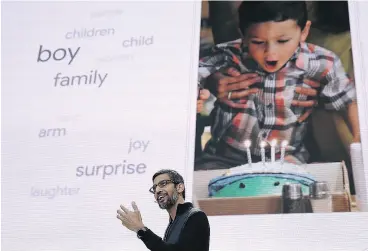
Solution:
(252, 12)
(173, 175)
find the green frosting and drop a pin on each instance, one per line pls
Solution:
(257, 186)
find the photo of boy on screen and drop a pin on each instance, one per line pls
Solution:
(277, 71)
(264, 70)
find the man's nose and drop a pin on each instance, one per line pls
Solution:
(158, 190)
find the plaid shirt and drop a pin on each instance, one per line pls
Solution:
(269, 114)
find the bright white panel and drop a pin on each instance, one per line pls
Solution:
(148, 95)
(139, 78)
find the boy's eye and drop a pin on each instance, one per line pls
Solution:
(256, 42)
(284, 41)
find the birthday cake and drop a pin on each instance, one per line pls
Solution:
(259, 179)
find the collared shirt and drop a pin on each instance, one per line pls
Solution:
(195, 235)
(268, 114)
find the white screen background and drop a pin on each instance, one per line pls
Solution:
(149, 95)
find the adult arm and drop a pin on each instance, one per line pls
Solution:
(219, 73)
(354, 121)
(353, 107)
(194, 236)
(214, 75)
(339, 93)
(221, 56)
(220, 84)
(241, 86)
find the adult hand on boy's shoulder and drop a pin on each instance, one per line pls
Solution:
(237, 86)
(310, 92)
(310, 103)
(240, 86)
(233, 86)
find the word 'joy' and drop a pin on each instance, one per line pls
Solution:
(135, 145)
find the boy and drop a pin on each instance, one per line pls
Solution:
(273, 46)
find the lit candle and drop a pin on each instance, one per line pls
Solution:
(247, 144)
(273, 153)
(263, 153)
(283, 146)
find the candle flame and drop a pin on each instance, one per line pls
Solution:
(284, 143)
(263, 144)
(274, 142)
(247, 143)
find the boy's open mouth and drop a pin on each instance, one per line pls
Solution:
(270, 63)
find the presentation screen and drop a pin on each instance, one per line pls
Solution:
(97, 97)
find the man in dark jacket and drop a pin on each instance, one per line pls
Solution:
(188, 228)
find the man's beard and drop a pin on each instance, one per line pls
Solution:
(171, 201)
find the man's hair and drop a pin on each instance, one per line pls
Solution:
(253, 12)
(173, 175)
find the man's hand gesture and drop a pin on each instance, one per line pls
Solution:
(130, 219)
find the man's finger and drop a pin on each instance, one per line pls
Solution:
(245, 76)
(233, 72)
(124, 223)
(244, 93)
(243, 84)
(120, 212)
(124, 209)
(224, 89)
(242, 77)
(239, 94)
(135, 207)
(306, 91)
(308, 103)
(119, 217)
(122, 219)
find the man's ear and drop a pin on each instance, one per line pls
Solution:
(305, 31)
(180, 188)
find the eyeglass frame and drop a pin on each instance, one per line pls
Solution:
(167, 182)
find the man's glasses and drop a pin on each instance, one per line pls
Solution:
(161, 184)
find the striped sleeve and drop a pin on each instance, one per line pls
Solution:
(222, 56)
(338, 91)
